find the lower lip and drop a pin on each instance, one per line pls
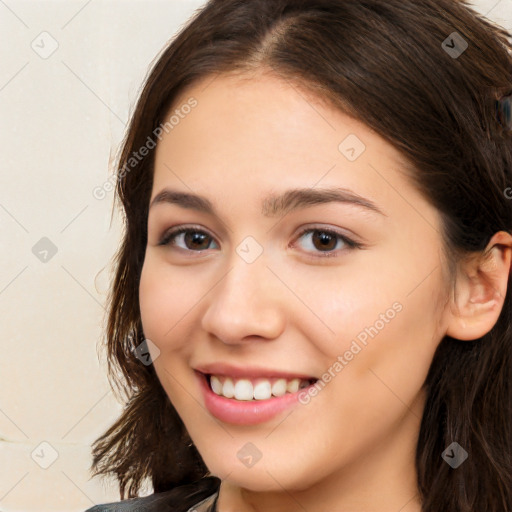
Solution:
(244, 412)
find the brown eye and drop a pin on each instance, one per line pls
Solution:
(192, 239)
(196, 240)
(325, 241)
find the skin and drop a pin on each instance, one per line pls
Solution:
(352, 447)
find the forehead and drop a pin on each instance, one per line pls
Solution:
(248, 135)
(265, 117)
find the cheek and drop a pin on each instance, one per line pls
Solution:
(163, 310)
(162, 305)
(380, 326)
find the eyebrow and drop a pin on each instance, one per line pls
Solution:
(274, 204)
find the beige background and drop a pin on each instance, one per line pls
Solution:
(69, 77)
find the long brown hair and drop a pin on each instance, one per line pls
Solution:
(386, 63)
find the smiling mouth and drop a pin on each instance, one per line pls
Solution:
(245, 389)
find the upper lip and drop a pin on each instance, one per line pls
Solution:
(249, 372)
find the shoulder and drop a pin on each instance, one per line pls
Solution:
(202, 493)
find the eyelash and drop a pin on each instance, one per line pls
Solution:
(351, 244)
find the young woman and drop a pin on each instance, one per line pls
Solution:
(311, 309)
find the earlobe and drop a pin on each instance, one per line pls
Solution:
(480, 290)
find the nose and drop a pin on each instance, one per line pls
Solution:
(245, 304)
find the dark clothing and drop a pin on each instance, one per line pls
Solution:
(200, 496)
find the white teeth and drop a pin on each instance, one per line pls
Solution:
(279, 387)
(262, 390)
(259, 389)
(228, 389)
(293, 386)
(216, 385)
(244, 390)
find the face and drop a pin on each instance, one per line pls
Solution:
(347, 291)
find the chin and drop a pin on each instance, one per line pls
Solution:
(260, 477)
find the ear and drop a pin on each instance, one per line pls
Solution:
(480, 290)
